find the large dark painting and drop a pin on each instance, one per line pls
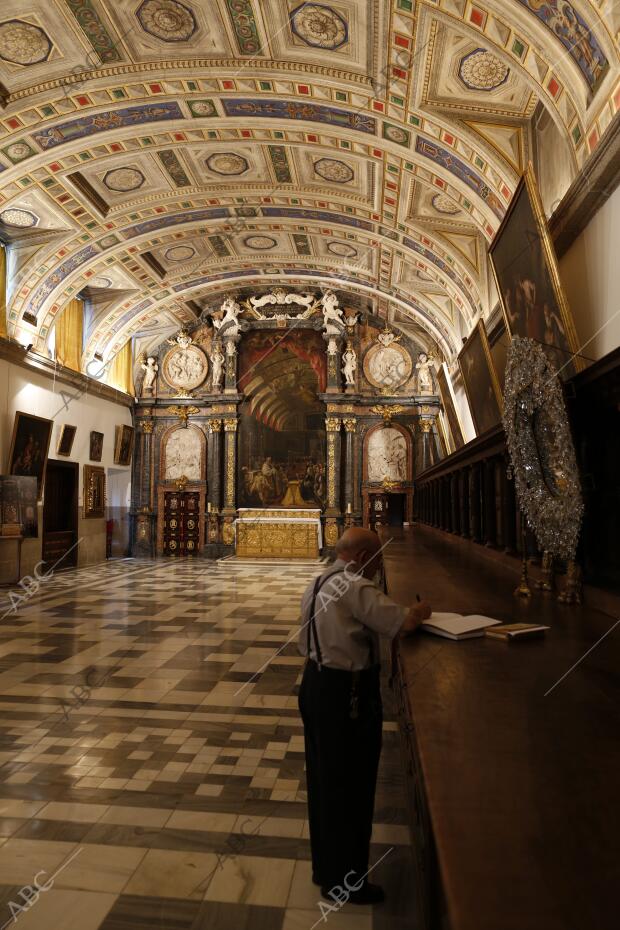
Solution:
(29, 447)
(480, 380)
(18, 503)
(528, 281)
(282, 422)
(449, 408)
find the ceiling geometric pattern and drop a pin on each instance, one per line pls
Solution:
(156, 154)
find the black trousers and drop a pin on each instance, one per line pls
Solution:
(342, 758)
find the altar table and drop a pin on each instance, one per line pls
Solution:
(278, 533)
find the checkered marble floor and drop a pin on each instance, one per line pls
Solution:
(151, 756)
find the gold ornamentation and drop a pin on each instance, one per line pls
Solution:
(331, 533)
(331, 469)
(388, 485)
(387, 411)
(228, 533)
(427, 424)
(572, 589)
(147, 426)
(546, 581)
(181, 482)
(280, 540)
(230, 425)
(332, 424)
(183, 412)
(230, 469)
(215, 426)
(350, 424)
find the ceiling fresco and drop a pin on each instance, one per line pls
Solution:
(157, 154)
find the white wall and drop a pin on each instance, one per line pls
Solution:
(37, 393)
(590, 273)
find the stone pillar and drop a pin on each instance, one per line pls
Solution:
(144, 525)
(214, 466)
(350, 426)
(488, 502)
(474, 503)
(332, 512)
(229, 478)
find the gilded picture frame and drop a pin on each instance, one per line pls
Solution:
(94, 492)
(526, 273)
(95, 450)
(480, 379)
(446, 395)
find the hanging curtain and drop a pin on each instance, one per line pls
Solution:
(69, 335)
(3, 332)
(120, 372)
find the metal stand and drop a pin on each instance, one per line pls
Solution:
(523, 590)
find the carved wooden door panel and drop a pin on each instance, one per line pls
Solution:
(181, 522)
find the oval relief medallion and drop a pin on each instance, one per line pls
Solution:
(185, 367)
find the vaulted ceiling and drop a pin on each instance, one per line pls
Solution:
(156, 154)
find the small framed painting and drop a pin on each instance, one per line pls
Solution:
(29, 447)
(65, 439)
(123, 445)
(96, 446)
(481, 384)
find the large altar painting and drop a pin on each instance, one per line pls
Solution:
(282, 421)
(387, 455)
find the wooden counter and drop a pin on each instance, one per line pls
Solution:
(514, 788)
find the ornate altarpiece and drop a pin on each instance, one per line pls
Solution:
(318, 382)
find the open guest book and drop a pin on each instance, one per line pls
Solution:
(455, 626)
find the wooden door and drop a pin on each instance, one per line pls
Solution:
(60, 515)
(181, 522)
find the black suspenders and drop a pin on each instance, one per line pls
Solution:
(312, 630)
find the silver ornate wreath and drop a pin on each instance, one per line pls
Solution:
(541, 449)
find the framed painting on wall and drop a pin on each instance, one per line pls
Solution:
(481, 384)
(65, 439)
(528, 281)
(29, 447)
(123, 445)
(94, 491)
(96, 446)
(447, 399)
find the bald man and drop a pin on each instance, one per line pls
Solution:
(343, 614)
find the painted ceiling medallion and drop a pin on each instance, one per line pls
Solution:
(17, 151)
(227, 163)
(343, 249)
(330, 169)
(124, 179)
(16, 217)
(445, 204)
(480, 70)
(259, 243)
(179, 253)
(23, 43)
(319, 26)
(167, 20)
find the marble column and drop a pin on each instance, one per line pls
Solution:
(350, 426)
(214, 467)
(333, 513)
(229, 477)
(426, 425)
(143, 520)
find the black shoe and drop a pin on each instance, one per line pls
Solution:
(367, 894)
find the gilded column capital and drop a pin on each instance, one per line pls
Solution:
(214, 426)
(230, 425)
(350, 424)
(427, 424)
(147, 426)
(332, 424)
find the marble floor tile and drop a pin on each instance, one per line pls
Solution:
(252, 880)
(64, 909)
(170, 873)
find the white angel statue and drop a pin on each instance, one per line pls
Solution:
(424, 367)
(217, 364)
(150, 368)
(349, 364)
